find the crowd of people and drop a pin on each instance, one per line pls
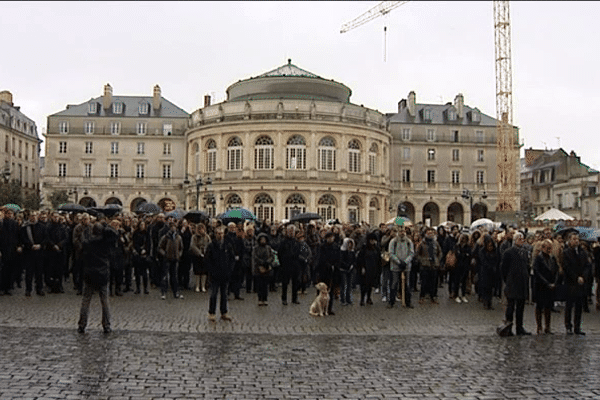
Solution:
(138, 253)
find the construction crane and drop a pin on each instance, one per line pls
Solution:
(506, 160)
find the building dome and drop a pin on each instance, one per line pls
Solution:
(288, 82)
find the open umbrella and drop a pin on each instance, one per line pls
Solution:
(14, 207)
(72, 208)
(487, 224)
(196, 216)
(305, 217)
(399, 221)
(108, 210)
(148, 208)
(236, 215)
(176, 213)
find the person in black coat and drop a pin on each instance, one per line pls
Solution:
(577, 272)
(545, 271)
(220, 260)
(488, 264)
(289, 260)
(328, 267)
(33, 239)
(96, 272)
(9, 231)
(515, 273)
(369, 268)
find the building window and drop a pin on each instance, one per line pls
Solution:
(455, 155)
(354, 156)
(114, 147)
(296, 153)
(114, 170)
(196, 153)
(263, 207)
(455, 177)
(431, 135)
(88, 128)
(430, 154)
(455, 136)
(27, 152)
(427, 114)
(89, 147)
(93, 108)
(294, 205)
(233, 201)
(140, 171)
(167, 129)
(479, 136)
(406, 153)
(142, 128)
(406, 134)
(117, 107)
(141, 148)
(63, 127)
(327, 207)
(354, 207)
(87, 170)
(406, 175)
(234, 154)
(6, 144)
(451, 114)
(62, 170)
(143, 108)
(480, 157)
(166, 149)
(373, 159)
(327, 154)
(21, 148)
(263, 153)
(430, 176)
(475, 115)
(211, 156)
(166, 171)
(559, 200)
(480, 177)
(62, 147)
(115, 128)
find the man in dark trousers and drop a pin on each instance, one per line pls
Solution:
(219, 259)
(96, 254)
(289, 259)
(33, 238)
(577, 273)
(328, 268)
(515, 273)
(11, 271)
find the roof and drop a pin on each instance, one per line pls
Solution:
(130, 108)
(438, 116)
(289, 69)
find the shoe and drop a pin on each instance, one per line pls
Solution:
(284, 303)
(238, 298)
(179, 296)
(79, 293)
(523, 332)
(370, 302)
(376, 290)
(197, 290)
(458, 300)
(265, 303)
(212, 317)
(136, 292)
(163, 297)
(362, 303)
(410, 306)
(569, 331)
(107, 330)
(40, 293)
(296, 302)
(343, 303)
(578, 332)
(261, 303)
(331, 313)
(390, 306)
(384, 299)
(434, 301)
(465, 300)
(421, 300)
(146, 292)
(80, 330)
(203, 290)
(225, 317)
(28, 294)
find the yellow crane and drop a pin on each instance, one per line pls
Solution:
(506, 155)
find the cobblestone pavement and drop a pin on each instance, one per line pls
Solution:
(168, 349)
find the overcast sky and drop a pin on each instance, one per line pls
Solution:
(54, 54)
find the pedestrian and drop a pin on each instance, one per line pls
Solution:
(401, 254)
(185, 263)
(369, 267)
(9, 231)
(289, 260)
(515, 273)
(545, 270)
(329, 266)
(430, 255)
(141, 245)
(198, 246)
(305, 259)
(347, 268)
(96, 253)
(488, 264)
(460, 274)
(577, 272)
(170, 248)
(262, 259)
(81, 233)
(220, 259)
(33, 238)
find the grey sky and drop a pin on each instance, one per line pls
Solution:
(54, 54)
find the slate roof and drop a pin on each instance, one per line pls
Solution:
(130, 108)
(289, 69)
(438, 116)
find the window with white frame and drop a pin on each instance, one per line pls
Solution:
(406, 175)
(327, 154)
(427, 114)
(167, 129)
(430, 176)
(142, 128)
(406, 153)
(143, 108)
(455, 155)
(455, 137)
(475, 117)
(117, 107)
(115, 128)
(263, 207)
(63, 127)
(114, 147)
(480, 177)
(327, 207)
(141, 148)
(62, 147)
(373, 159)
(196, 154)
(405, 133)
(114, 170)
(233, 201)
(89, 147)
(354, 207)
(430, 154)
(234, 154)
(166, 149)
(430, 135)
(480, 155)
(93, 108)
(354, 156)
(296, 153)
(62, 170)
(140, 171)
(451, 114)
(294, 205)
(211, 156)
(479, 136)
(166, 171)
(455, 177)
(88, 127)
(87, 170)
(263, 153)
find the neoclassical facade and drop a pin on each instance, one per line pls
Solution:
(287, 142)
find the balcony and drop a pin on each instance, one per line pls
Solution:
(105, 131)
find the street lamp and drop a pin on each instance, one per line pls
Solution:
(199, 183)
(468, 195)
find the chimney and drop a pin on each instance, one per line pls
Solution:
(412, 104)
(206, 100)
(107, 99)
(401, 105)
(156, 99)
(6, 97)
(459, 104)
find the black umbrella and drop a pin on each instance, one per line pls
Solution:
(108, 210)
(148, 208)
(305, 217)
(72, 208)
(196, 216)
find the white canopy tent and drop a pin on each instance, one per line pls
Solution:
(554, 214)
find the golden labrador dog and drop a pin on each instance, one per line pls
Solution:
(319, 306)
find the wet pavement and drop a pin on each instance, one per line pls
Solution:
(168, 349)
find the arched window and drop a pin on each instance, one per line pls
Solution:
(211, 156)
(196, 150)
(373, 152)
(233, 201)
(234, 154)
(354, 156)
(354, 210)
(327, 207)
(327, 154)
(296, 153)
(373, 208)
(263, 207)
(263, 153)
(294, 205)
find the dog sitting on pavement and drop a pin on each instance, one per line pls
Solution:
(319, 306)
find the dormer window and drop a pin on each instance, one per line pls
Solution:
(117, 108)
(143, 108)
(475, 116)
(427, 114)
(451, 115)
(93, 108)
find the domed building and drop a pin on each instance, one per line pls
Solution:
(287, 142)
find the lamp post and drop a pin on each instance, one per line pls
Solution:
(199, 183)
(468, 195)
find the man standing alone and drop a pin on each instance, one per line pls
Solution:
(220, 261)
(515, 272)
(577, 274)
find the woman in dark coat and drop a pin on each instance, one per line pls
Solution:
(463, 253)
(141, 256)
(369, 268)
(488, 259)
(545, 270)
